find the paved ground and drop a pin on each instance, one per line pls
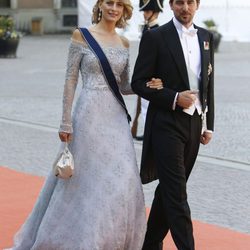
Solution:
(22, 192)
(30, 109)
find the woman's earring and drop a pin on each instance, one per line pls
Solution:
(99, 16)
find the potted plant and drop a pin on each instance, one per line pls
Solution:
(212, 27)
(9, 38)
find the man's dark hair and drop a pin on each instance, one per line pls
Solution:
(171, 1)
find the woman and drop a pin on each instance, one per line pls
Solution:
(101, 207)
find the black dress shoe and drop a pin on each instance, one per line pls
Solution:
(155, 246)
(139, 138)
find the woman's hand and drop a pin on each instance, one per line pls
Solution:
(155, 83)
(65, 137)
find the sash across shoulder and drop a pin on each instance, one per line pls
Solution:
(105, 67)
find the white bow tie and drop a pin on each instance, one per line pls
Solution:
(191, 32)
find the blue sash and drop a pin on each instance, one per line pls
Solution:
(105, 67)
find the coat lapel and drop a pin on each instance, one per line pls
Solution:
(173, 42)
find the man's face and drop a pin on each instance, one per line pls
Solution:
(184, 11)
(147, 14)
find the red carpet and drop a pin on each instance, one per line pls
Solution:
(18, 193)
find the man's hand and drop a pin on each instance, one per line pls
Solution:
(186, 98)
(206, 137)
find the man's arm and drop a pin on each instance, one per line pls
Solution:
(207, 134)
(145, 69)
(210, 90)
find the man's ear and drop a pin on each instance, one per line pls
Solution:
(198, 5)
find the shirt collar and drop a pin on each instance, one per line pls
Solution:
(182, 29)
(152, 23)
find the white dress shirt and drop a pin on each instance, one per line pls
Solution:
(192, 54)
(191, 50)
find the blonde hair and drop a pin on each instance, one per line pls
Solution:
(122, 22)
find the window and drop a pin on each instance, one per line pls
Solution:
(5, 3)
(68, 3)
(70, 20)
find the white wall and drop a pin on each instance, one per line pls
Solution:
(232, 17)
(85, 8)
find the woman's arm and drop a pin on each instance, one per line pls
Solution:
(75, 55)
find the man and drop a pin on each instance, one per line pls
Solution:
(151, 10)
(179, 117)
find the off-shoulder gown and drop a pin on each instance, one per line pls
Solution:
(102, 206)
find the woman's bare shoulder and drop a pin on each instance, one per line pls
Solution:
(76, 36)
(125, 41)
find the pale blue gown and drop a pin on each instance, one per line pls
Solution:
(102, 206)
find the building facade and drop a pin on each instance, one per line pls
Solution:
(42, 16)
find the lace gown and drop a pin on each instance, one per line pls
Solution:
(102, 206)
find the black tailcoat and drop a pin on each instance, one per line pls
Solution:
(161, 56)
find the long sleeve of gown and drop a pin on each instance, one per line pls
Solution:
(125, 84)
(75, 55)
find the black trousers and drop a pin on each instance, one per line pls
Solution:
(175, 142)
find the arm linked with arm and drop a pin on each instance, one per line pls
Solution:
(145, 69)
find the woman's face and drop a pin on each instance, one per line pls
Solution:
(112, 10)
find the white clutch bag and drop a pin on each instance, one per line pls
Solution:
(63, 166)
